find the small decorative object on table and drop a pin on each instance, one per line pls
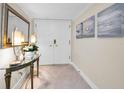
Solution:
(30, 51)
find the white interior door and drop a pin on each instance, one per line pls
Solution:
(53, 39)
(62, 46)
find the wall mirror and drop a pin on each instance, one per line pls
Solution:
(1, 13)
(14, 21)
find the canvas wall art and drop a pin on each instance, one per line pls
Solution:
(89, 27)
(79, 30)
(111, 21)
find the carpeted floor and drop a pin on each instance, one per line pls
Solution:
(57, 77)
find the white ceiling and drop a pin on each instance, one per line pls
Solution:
(53, 10)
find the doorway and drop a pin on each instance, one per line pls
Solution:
(54, 37)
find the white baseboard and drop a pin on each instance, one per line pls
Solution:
(55, 63)
(83, 75)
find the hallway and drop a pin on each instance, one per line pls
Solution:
(57, 77)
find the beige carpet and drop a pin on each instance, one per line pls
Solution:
(57, 77)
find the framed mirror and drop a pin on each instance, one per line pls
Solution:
(1, 13)
(14, 21)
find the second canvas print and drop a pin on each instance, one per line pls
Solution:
(111, 21)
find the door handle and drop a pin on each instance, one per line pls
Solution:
(54, 41)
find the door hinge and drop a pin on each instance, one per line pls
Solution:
(35, 25)
(69, 42)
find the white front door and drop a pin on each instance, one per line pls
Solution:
(53, 39)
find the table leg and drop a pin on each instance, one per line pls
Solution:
(37, 67)
(7, 79)
(31, 73)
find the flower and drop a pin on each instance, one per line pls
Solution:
(30, 48)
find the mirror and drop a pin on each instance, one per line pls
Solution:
(1, 25)
(15, 21)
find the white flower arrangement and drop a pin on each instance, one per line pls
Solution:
(30, 48)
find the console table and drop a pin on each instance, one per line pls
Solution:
(25, 63)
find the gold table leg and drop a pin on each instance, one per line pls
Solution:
(37, 67)
(31, 73)
(8, 79)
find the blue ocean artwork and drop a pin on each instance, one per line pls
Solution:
(79, 30)
(89, 27)
(111, 21)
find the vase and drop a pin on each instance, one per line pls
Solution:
(29, 55)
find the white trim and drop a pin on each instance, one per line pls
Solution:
(84, 76)
(55, 63)
(53, 19)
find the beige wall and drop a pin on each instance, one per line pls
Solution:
(101, 59)
(7, 55)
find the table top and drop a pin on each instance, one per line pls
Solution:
(21, 62)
